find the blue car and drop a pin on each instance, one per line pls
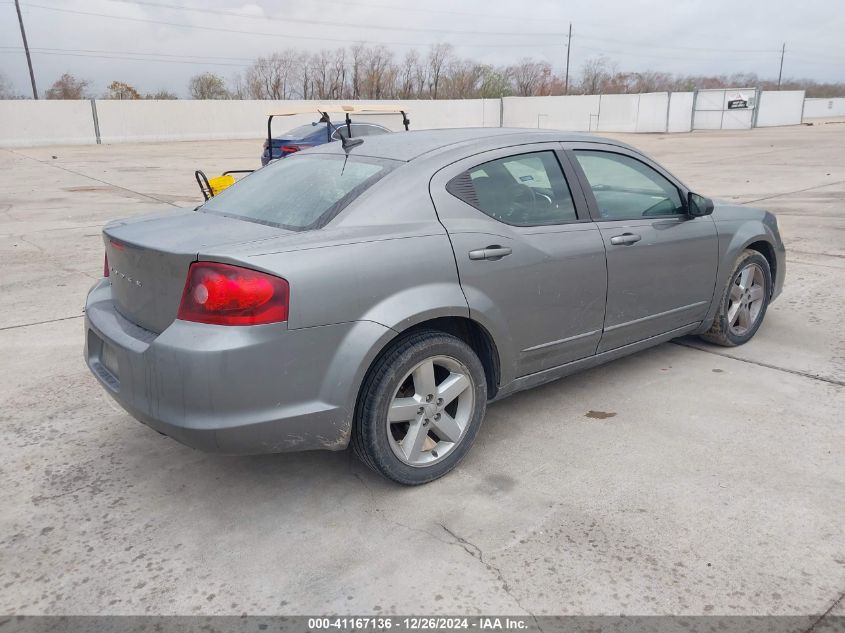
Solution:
(306, 136)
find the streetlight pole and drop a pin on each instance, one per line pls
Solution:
(26, 50)
(780, 72)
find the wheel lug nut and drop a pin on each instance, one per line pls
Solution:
(425, 423)
(436, 416)
(420, 411)
(429, 398)
(439, 401)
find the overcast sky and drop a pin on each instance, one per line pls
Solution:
(681, 36)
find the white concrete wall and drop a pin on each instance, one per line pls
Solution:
(128, 121)
(578, 113)
(618, 113)
(815, 108)
(653, 112)
(680, 112)
(648, 112)
(780, 107)
(26, 122)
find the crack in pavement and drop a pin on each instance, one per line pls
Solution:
(826, 613)
(789, 193)
(79, 173)
(14, 327)
(796, 372)
(477, 553)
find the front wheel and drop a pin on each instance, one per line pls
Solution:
(744, 301)
(420, 408)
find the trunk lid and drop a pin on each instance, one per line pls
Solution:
(149, 259)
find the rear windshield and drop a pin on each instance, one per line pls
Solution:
(299, 192)
(304, 130)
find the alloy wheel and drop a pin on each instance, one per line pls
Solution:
(747, 297)
(430, 411)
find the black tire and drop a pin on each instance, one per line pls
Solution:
(370, 431)
(720, 332)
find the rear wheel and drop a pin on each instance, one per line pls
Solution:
(744, 302)
(420, 408)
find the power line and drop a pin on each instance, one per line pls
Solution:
(678, 48)
(344, 24)
(345, 41)
(41, 49)
(118, 56)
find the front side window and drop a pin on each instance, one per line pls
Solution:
(299, 192)
(626, 188)
(523, 190)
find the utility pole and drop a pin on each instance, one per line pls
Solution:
(780, 72)
(568, 46)
(26, 49)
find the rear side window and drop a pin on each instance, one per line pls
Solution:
(626, 188)
(522, 190)
(300, 192)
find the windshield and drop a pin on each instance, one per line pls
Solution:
(299, 192)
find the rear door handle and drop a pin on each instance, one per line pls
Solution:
(626, 239)
(491, 253)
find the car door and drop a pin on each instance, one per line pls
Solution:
(530, 260)
(661, 262)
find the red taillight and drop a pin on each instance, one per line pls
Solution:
(223, 294)
(106, 266)
(290, 149)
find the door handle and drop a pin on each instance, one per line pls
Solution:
(626, 239)
(491, 253)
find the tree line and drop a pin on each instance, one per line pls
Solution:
(376, 72)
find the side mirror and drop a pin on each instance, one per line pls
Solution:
(699, 205)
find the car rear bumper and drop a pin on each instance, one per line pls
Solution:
(235, 390)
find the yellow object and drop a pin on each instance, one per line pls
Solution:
(220, 183)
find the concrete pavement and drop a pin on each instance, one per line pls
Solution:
(710, 481)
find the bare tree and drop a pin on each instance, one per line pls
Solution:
(529, 76)
(439, 57)
(208, 86)
(595, 73)
(359, 54)
(328, 73)
(237, 87)
(68, 87)
(408, 84)
(273, 77)
(7, 90)
(463, 79)
(379, 73)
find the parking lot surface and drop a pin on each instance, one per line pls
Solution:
(685, 479)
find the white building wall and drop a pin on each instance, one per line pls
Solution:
(780, 107)
(815, 108)
(26, 122)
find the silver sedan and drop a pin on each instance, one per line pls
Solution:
(381, 295)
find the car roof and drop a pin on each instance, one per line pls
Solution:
(406, 146)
